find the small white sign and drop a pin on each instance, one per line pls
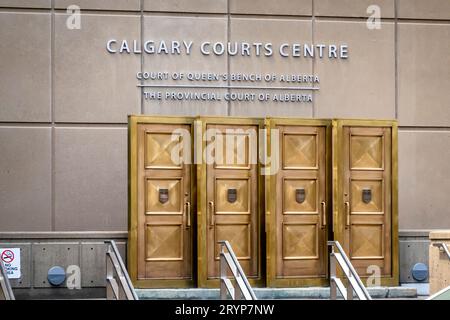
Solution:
(11, 260)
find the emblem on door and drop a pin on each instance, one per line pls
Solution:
(163, 195)
(300, 195)
(232, 195)
(366, 196)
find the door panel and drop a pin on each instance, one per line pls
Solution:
(163, 219)
(231, 197)
(297, 205)
(232, 200)
(365, 211)
(368, 226)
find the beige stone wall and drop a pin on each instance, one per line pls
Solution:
(439, 261)
(64, 100)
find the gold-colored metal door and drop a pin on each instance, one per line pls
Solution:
(298, 199)
(161, 235)
(366, 197)
(229, 191)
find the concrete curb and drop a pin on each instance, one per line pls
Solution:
(272, 293)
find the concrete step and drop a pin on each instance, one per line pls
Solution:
(273, 293)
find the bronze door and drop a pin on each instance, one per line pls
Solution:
(298, 201)
(164, 224)
(230, 196)
(366, 223)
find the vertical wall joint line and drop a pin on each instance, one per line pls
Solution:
(313, 23)
(228, 56)
(396, 58)
(142, 56)
(52, 114)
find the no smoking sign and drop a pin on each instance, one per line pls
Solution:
(10, 258)
(7, 256)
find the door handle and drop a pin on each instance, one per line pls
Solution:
(211, 213)
(188, 214)
(324, 213)
(347, 213)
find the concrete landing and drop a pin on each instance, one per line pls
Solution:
(273, 293)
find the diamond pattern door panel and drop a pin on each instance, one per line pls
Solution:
(366, 152)
(235, 146)
(239, 237)
(299, 151)
(163, 242)
(158, 149)
(366, 241)
(300, 241)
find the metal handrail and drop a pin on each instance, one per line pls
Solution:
(354, 282)
(6, 292)
(118, 283)
(443, 248)
(241, 288)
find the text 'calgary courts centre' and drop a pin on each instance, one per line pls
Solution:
(219, 48)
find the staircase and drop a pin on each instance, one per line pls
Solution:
(120, 287)
(337, 290)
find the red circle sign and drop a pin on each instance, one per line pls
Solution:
(7, 256)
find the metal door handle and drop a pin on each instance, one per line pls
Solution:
(188, 214)
(211, 213)
(324, 213)
(347, 213)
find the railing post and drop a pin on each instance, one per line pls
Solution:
(349, 288)
(118, 283)
(237, 289)
(354, 283)
(241, 288)
(109, 275)
(333, 288)
(6, 292)
(223, 274)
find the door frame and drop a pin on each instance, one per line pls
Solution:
(132, 245)
(338, 174)
(202, 210)
(270, 226)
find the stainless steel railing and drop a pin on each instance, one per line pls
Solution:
(118, 283)
(241, 290)
(354, 282)
(6, 292)
(443, 248)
